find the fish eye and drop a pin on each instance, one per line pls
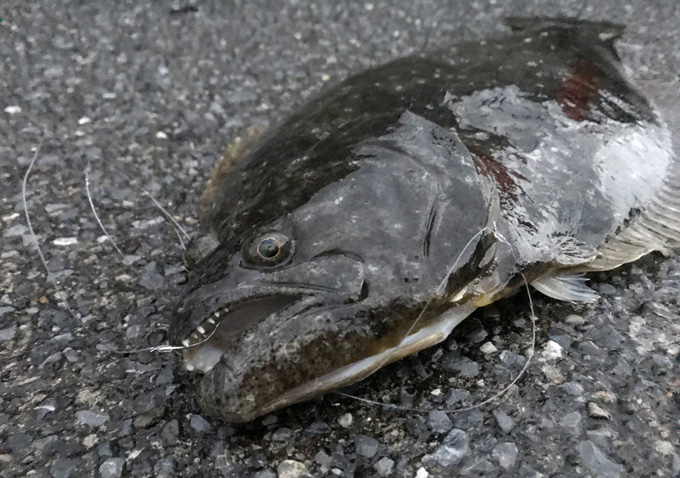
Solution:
(269, 249)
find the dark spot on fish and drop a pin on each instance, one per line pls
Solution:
(495, 170)
(578, 91)
(184, 9)
(364, 292)
(428, 234)
(340, 252)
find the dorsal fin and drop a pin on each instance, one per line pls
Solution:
(605, 31)
(235, 151)
(656, 228)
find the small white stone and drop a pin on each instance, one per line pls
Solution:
(664, 447)
(422, 473)
(436, 392)
(292, 469)
(12, 110)
(161, 135)
(345, 420)
(596, 411)
(65, 241)
(84, 120)
(488, 348)
(552, 350)
(574, 319)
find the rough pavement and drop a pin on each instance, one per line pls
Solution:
(149, 94)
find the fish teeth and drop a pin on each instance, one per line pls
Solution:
(201, 330)
(211, 320)
(185, 342)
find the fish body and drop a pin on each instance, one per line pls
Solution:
(374, 219)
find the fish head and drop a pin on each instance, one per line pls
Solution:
(323, 291)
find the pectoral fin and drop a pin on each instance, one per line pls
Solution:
(567, 287)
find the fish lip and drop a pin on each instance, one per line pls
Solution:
(228, 310)
(203, 349)
(200, 310)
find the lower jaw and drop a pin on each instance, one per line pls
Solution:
(354, 372)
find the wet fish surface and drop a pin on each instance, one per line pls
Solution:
(373, 220)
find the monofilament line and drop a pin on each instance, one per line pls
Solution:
(96, 216)
(34, 238)
(50, 276)
(178, 228)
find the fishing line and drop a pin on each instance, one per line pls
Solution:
(60, 294)
(178, 228)
(96, 216)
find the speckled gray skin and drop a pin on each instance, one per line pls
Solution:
(384, 184)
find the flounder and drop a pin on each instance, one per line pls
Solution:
(372, 221)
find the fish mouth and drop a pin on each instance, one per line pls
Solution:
(205, 345)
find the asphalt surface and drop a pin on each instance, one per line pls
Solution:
(145, 96)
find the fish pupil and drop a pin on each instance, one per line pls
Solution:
(269, 248)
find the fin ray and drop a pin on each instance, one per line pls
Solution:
(566, 287)
(657, 228)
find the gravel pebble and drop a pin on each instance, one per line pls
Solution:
(200, 424)
(384, 466)
(64, 468)
(8, 333)
(574, 389)
(574, 319)
(505, 454)
(422, 473)
(165, 467)
(345, 420)
(439, 421)
(488, 348)
(112, 468)
(551, 350)
(453, 448)
(149, 418)
(503, 420)
(282, 435)
(293, 469)
(597, 462)
(596, 411)
(571, 423)
(366, 446)
(90, 418)
(454, 362)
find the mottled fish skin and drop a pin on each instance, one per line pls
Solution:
(435, 179)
